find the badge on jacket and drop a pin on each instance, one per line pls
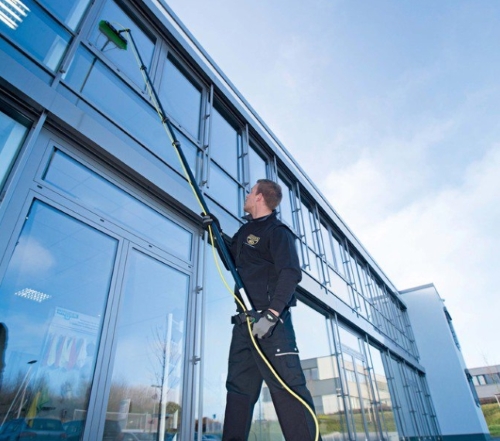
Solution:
(252, 240)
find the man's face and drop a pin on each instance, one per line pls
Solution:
(250, 200)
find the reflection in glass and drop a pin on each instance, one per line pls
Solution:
(100, 194)
(69, 12)
(145, 395)
(321, 369)
(52, 301)
(224, 143)
(326, 237)
(339, 255)
(191, 152)
(286, 207)
(12, 135)
(308, 222)
(110, 94)
(384, 401)
(257, 166)
(180, 97)
(51, 39)
(223, 189)
(370, 406)
(218, 303)
(123, 59)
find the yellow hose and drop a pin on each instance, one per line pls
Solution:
(212, 241)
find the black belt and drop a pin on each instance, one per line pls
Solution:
(240, 318)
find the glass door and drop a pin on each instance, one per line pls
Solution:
(52, 302)
(146, 383)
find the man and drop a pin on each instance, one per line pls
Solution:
(266, 258)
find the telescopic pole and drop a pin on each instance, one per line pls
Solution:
(176, 143)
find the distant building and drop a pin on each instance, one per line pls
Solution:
(116, 320)
(486, 380)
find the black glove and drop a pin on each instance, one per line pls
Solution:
(264, 325)
(209, 219)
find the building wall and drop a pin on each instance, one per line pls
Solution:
(111, 300)
(457, 412)
(486, 380)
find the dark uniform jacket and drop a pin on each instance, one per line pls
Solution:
(266, 258)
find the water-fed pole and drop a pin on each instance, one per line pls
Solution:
(120, 41)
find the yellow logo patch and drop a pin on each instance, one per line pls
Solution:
(252, 240)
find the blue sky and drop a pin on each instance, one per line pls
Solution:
(393, 107)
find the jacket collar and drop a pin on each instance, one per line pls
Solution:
(249, 217)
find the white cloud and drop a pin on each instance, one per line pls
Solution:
(449, 238)
(31, 258)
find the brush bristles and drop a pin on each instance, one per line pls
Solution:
(113, 35)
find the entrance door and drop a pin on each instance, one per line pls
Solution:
(52, 303)
(93, 307)
(145, 387)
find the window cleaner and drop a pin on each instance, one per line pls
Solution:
(116, 36)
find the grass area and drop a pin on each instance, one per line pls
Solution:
(492, 415)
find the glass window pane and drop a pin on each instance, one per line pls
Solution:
(12, 136)
(223, 189)
(146, 388)
(218, 303)
(191, 152)
(318, 359)
(358, 270)
(339, 255)
(257, 166)
(51, 39)
(181, 98)
(286, 208)
(307, 217)
(69, 12)
(110, 94)
(224, 143)
(52, 302)
(313, 264)
(384, 398)
(99, 194)
(124, 59)
(325, 235)
(340, 288)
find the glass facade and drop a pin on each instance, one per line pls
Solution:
(110, 298)
(12, 134)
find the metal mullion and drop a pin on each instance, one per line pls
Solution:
(419, 404)
(420, 414)
(374, 387)
(411, 405)
(87, 20)
(207, 135)
(344, 383)
(428, 402)
(244, 158)
(397, 407)
(324, 262)
(200, 345)
(350, 277)
(273, 165)
(300, 227)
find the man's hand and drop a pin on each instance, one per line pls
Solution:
(264, 326)
(209, 219)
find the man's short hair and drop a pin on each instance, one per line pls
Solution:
(271, 192)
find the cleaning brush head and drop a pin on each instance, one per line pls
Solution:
(113, 34)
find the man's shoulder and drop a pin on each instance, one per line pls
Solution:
(280, 228)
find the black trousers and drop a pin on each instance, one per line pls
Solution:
(246, 373)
